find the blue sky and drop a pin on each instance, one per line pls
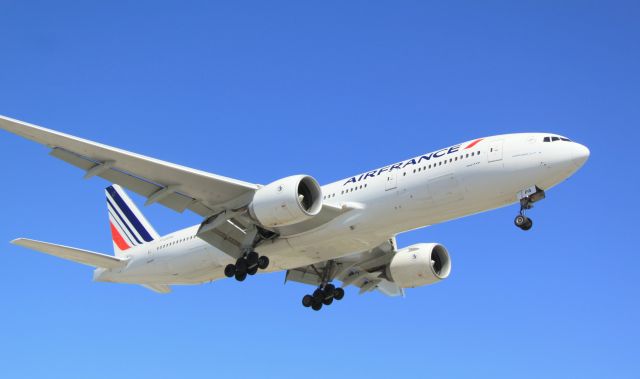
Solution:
(262, 90)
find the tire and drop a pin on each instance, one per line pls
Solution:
(241, 276)
(252, 271)
(528, 225)
(252, 258)
(307, 301)
(263, 262)
(338, 294)
(318, 295)
(520, 220)
(329, 290)
(241, 266)
(327, 301)
(316, 306)
(230, 271)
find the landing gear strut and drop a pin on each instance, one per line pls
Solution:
(248, 264)
(527, 198)
(324, 295)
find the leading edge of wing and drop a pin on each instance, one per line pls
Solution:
(210, 188)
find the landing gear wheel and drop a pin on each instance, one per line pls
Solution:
(316, 306)
(252, 258)
(307, 301)
(241, 265)
(241, 276)
(338, 294)
(523, 222)
(252, 271)
(520, 220)
(327, 301)
(318, 295)
(329, 290)
(230, 271)
(263, 262)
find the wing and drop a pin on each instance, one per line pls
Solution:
(363, 270)
(172, 185)
(222, 201)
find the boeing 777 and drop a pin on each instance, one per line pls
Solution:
(320, 235)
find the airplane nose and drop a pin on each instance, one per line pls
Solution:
(581, 155)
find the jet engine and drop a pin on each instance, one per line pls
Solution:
(419, 265)
(287, 201)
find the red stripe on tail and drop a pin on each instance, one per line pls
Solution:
(117, 238)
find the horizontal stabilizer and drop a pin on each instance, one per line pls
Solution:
(77, 255)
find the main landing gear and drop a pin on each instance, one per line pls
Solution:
(246, 265)
(324, 295)
(527, 198)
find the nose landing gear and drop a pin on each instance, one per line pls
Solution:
(527, 198)
(523, 222)
(246, 265)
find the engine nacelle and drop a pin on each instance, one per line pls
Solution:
(287, 201)
(419, 265)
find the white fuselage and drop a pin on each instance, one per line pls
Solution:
(458, 181)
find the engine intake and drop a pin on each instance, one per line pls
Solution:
(419, 265)
(287, 201)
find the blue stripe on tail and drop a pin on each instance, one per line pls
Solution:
(122, 205)
(119, 221)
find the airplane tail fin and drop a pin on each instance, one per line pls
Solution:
(129, 228)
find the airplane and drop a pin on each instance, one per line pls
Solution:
(319, 235)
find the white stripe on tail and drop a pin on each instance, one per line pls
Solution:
(129, 228)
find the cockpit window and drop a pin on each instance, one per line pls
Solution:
(554, 139)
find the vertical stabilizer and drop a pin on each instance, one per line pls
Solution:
(129, 228)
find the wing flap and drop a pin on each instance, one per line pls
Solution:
(158, 288)
(362, 270)
(86, 257)
(175, 200)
